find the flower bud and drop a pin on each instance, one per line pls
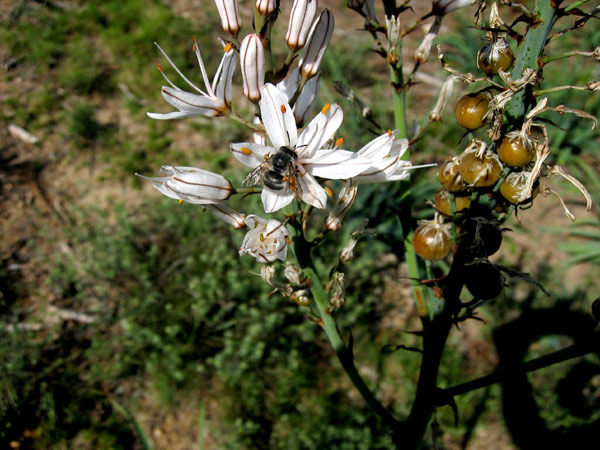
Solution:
(225, 213)
(301, 19)
(445, 93)
(192, 185)
(265, 7)
(337, 299)
(441, 7)
(318, 40)
(422, 52)
(252, 61)
(231, 22)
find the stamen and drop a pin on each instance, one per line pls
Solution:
(390, 133)
(283, 109)
(246, 151)
(339, 142)
(228, 47)
(326, 108)
(159, 67)
(194, 37)
(329, 193)
(180, 202)
(194, 47)
(261, 237)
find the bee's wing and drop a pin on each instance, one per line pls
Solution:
(256, 177)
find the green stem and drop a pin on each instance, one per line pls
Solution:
(532, 49)
(302, 252)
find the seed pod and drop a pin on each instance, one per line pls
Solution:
(513, 186)
(483, 280)
(480, 170)
(515, 152)
(443, 202)
(432, 239)
(471, 111)
(495, 56)
(450, 178)
(481, 236)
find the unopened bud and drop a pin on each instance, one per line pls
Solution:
(441, 7)
(231, 22)
(347, 195)
(265, 7)
(318, 40)
(301, 20)
(225, 213)
(252, 62)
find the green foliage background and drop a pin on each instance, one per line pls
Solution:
(179, 317)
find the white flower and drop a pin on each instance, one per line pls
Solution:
(192, 185)
(307, 98)
(216, 98)
(266, 240)
(313, 159)
(252, 63)
(346, 197)
(385, 153)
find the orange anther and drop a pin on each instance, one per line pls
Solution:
(194, 37)
(339, 142)
(180, 202)
(328, 191)
(283, 109)
(159, 67)
(194, 47)
(326, 108)
(390, 133)
(228, 47)
(246, 151)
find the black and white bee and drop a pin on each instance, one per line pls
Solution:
(278, 172)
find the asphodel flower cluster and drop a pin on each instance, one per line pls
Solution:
(294, 155)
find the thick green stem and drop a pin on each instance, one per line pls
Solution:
(302, 251)
(528, 56)
(400, 120)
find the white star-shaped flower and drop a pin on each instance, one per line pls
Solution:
(213, 101)
(313, 159)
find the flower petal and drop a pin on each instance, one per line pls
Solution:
(336, 164)
(278, 118)
(225, 75)
(249, 153)
(275, 200)
(312, 192)
(319, 130)
(188, 102)
(169, 116)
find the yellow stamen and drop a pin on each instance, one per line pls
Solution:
(246, 151)
(390, 133)
(283, 109)
(194, 47)
(329, 193)
(339, 142)
(180, 202)
(262, 237)
(159, 67)
(227, 47)
(326, 108)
